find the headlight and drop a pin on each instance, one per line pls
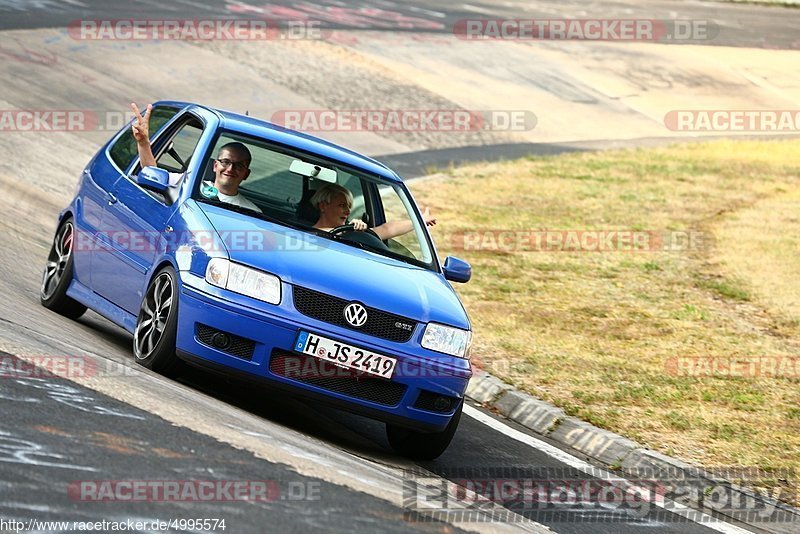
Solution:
(244, 280)
(448, 340)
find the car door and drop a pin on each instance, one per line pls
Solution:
(97, 184)
(135, 218)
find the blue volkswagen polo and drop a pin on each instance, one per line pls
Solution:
(344, 317)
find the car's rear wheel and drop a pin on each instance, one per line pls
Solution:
(58, 274)
(157, 324)
(422, 445)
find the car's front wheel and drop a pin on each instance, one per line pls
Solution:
(422, 445)
(58, 274)
(157, 324)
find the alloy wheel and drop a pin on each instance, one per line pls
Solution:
(57, 260)
(153, 316)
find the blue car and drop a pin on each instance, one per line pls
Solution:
(344, 317)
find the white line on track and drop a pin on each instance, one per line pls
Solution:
(476, 9)
(585, 467)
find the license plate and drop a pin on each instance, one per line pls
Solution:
(345, 355)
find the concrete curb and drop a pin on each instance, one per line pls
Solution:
(621, 454)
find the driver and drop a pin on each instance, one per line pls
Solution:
(334, 203)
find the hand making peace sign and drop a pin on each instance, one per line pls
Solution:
(141, 126)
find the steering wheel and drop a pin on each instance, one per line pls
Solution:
(351, 228)
(367, 237)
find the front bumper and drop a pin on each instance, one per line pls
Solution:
(264, 344)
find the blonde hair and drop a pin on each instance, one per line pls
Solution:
(327, 192)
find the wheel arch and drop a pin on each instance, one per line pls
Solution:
(160, 264)
(64, 215)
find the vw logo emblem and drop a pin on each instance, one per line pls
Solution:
(355, 314)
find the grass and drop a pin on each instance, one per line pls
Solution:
(731, 289)
(594, 332)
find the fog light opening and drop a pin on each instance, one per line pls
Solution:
(221, 340)
(441, 404)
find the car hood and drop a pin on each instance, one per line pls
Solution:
(338, 269)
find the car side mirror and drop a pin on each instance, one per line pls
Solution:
(153, 178)
(457, 270)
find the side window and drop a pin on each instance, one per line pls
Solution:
(124, 151)
(178, 152)
(396, 207)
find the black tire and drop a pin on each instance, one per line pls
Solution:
(58, 274)
(422, 445)
(157, 325)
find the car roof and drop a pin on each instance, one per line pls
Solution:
(284, 136)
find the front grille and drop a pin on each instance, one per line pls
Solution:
(427, 401)
(331, 310)
(322, 374)
(236, 346)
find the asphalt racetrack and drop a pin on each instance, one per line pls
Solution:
(313, 467)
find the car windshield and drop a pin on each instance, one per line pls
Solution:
(282, 183)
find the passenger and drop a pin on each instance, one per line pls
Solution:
(334, 203)
(231, 167)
